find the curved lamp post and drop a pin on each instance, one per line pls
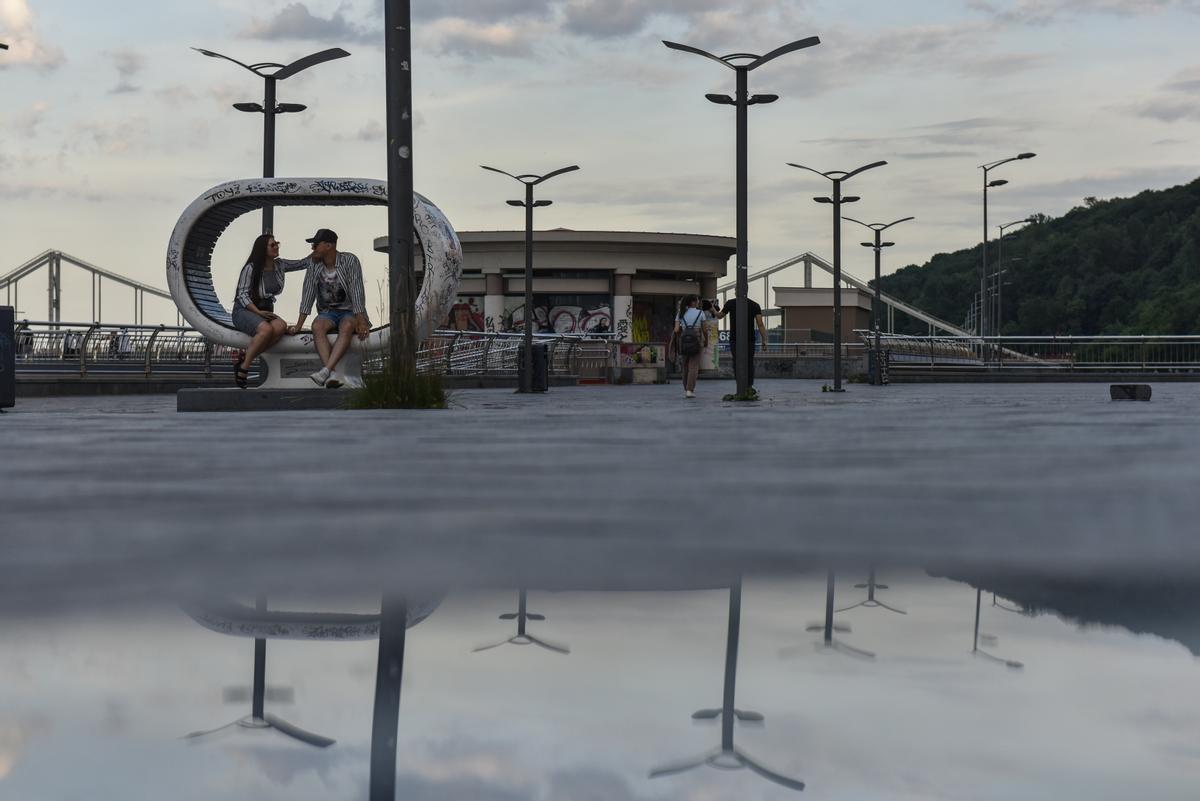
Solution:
(272, 73)
(743, 64)
(838, 176)
(987, 168)
(529, 204)
(1000, 270)
(523, 637)
(877, 305)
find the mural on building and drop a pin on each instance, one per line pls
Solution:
(465, 315)
(635, 355)
(593, 317)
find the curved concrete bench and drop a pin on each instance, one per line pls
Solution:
(190, 276)
(239, 620)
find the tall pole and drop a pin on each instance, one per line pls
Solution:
(742, 342)
(397, 16)
(837, 286)
(978, 596)
(389, 673)
(731, 654)
(829, 580)
(983, 331)
(268, 221)
(876, 308)
(527, 378)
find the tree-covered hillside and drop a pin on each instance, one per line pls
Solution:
(1120, 266)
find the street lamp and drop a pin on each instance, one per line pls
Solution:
(529, 204)
(987, 168)
(877, 305)
(1000, 269)
(837, 176)
(743, 350)
(271, 73)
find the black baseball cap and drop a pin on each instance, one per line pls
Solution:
(323, 235)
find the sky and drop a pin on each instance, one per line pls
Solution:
(1096, 712)
(113, 125)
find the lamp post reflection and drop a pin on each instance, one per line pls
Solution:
(871, 601)
(237, 620)
(523, 637)
(829, 627)
(728, 756)
(1012, 664)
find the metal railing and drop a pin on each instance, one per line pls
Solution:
(1098, 354)
(89, 349)
(95, 350)
(465, 353)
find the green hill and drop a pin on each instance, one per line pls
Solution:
(1120, 266)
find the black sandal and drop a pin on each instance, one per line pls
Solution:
(240, 376)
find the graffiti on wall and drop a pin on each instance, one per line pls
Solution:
(562, 319)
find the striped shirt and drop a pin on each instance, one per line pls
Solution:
(271, 284)
(349, 275)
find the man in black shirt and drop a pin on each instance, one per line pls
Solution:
(756, 315)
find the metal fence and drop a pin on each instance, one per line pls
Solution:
(494, 354)
(129, 351)
(1098, 354)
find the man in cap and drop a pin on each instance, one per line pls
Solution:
(334, 281)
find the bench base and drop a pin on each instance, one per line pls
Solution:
(292, 371)
(258, 399)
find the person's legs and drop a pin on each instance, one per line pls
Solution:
(691, 371)
(321, 328)
(342, 343)
(263, 338)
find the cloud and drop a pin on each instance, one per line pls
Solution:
(25, 123)
(373, 131)
(1177, 100)
(294, 21)
(25, 46)
(603, 19)
(128, 63)
(1040, 12)
(456, 36)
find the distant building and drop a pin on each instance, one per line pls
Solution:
(808, 313)
(585, 281)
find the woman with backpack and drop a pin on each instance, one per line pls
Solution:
(693, 339)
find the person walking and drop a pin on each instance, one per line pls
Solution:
(692, 337)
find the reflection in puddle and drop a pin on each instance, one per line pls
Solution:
(904, 686)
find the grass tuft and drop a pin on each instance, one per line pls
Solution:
(389, 390)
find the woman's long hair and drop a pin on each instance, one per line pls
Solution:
(257, 261)
(686, 304)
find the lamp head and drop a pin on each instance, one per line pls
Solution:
(248, 107)
(867, 244)
(886, 244)
(757, 100)
(289, 108)
(516, 202)
(997, 182)
(851, 199)
(823, 199)
(1026, 155)
(720, 100)
(537, 204)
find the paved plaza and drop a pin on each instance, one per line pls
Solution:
(124, 496)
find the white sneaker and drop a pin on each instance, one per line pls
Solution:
(335, 380)
(320, 377)
(689, 394)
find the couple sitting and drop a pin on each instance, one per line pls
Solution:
(333, 279)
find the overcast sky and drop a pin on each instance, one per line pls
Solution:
(1096, 713)
(112, 125)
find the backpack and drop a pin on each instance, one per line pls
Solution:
(690, 342)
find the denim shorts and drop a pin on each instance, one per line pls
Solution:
(335, 316)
